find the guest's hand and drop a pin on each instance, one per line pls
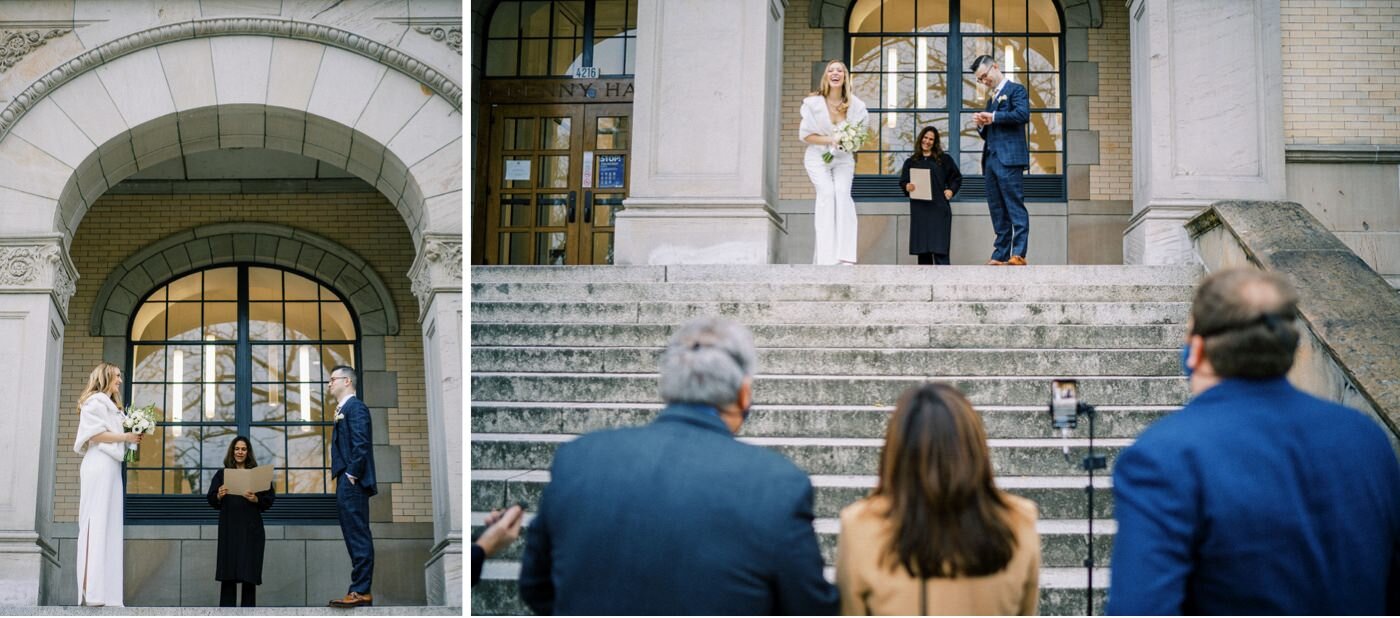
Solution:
(909, 187)
(223, 491)
(948, 193)
(250, 496)
(501, 530)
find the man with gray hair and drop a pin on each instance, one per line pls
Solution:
(678, 517)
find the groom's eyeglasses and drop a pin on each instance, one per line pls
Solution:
(332, 380)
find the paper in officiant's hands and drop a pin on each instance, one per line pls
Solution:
(923, 184)
(243, 480)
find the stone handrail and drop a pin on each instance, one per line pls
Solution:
(1351, 352)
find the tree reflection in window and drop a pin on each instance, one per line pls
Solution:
(186, 338)
(909, 62)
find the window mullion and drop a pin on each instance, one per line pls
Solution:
(243, 361)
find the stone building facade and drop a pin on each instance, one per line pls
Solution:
(1147, 133)
(147, 147)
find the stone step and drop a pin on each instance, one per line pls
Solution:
(797, 312)
(850, 361)
(1062, 542)
(1062, 590)
(826, 390)
(1187, 275)
(575, 290)
(948, 336)
(1059, 497)
(1010, 457)
(797, 421)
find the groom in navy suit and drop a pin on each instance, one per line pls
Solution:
(1004, 160)
(352, 465)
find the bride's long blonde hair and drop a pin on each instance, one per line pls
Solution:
(825, 87)
(103, 379)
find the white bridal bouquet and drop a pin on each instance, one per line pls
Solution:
(138, 420)
(850, 137)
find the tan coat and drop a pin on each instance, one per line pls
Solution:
(868, 588)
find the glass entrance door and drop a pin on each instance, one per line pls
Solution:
(557, 175)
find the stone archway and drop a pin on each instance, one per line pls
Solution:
(154, 95)
(207, 84)
(255, 243)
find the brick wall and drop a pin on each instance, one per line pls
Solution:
(119, 225)
(1341, 72)
(1110, 113)
(801, 47)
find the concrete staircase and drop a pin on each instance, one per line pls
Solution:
(557, 352)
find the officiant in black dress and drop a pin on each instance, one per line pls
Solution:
(241, 534)
(931, 221)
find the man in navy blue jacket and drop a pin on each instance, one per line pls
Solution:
(352, 467)
(1255, 498)
(1004, 160)
(678, 517)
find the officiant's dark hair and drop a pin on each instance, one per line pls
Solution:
(937, 145)
(249, 462)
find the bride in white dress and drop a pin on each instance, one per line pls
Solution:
(834, 213)
(102, 443)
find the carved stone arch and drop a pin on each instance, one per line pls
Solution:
(244, 243)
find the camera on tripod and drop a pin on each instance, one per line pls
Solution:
(1065, 409)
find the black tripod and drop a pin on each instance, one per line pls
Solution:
(1090, 463)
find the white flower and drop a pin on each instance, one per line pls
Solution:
(338, 416)
(1001, 98)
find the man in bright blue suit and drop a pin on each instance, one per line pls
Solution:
(1255, 498)
(678, 517)
(352, 467)
(1004, 160)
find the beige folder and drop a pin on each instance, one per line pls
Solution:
(242, 480)
(923, 184)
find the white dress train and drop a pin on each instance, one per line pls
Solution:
(834, 212)
(100, 506)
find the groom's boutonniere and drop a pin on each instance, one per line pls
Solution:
(338, 416)
(1001, 99)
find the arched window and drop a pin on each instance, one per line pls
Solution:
(237, 350)
(543, 38)
(909, 62)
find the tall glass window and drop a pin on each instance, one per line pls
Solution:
(539, 38)
(909, 62)
(237, 350)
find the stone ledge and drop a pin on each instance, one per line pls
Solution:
(1352, 311)
(1342, 153)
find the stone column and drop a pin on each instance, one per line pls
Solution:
(1207, 83)
(706, 118)
(437, 282)
(36, 281)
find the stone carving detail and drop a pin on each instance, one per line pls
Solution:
(22, 266)
(30, 266)
(16, 44)
(438, 267)
(450, 36)
(257, 26)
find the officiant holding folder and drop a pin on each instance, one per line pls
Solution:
(241, 534)
(930, 178)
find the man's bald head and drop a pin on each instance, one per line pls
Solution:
(1248, 320)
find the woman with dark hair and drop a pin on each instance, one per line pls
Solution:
(241, 534)
(936, 536)
(931, 221)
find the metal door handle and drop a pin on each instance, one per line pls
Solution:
(573, 196)
(588, 207)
